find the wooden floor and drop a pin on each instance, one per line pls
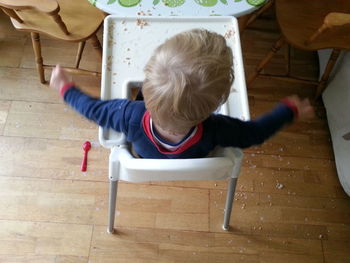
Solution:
(52, 212)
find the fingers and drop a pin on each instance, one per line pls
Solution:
(305, 109)
(57, 77)
(57, 70)
(306, 102)
(309, 108)
(54, 73)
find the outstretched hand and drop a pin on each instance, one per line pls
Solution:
(58, 78)
(305, 110)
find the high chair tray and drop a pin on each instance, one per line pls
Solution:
(128, 43)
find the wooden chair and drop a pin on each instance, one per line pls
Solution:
(246, 20)
(310, 25)
(68, 20)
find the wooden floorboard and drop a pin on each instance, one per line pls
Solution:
(289, 205)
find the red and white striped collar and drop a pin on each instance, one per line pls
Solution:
(187, 143)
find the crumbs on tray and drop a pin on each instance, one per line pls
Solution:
(142, 13)
(141, 23)
(229, 33)
(111, 41)
(109, 63)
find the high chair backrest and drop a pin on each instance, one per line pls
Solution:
(47, 7)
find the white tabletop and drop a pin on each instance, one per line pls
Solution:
(177, 7)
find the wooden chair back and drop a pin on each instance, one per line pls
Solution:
(49, 7)
(331, 20)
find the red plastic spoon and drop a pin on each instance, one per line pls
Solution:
(86, 148)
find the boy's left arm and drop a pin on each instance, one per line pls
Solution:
(244, 134)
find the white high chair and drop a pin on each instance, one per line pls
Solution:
(223, 163)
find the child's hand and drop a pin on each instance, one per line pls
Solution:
(305, 110)
(58, 78)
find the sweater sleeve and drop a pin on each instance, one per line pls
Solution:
(243, 134)
(106, 113)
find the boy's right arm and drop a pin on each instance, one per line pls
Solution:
(108, 114)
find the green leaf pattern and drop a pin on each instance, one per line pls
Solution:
(93, 2)
(128, 3)
(175, 3)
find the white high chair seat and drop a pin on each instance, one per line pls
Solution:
(118, 73)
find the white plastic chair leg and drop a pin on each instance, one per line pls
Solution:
(229, 200)
(113, 187)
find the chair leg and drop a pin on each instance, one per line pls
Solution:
(96, 44)
(113, 188)
(38, 59)
(245, 21)
(79, 53)
(288, 49)
(331, 62)
(277, 46)
(229, 200)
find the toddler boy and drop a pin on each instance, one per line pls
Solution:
(187, 78)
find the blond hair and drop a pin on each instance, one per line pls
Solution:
(187, 78)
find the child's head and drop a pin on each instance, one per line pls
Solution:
(187, 78)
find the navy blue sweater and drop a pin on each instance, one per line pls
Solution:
(132, 119)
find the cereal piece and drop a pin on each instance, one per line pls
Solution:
(279, 186)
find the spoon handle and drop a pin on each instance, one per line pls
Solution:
(84, 163)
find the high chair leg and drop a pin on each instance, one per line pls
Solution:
(229, 200)
(113, 187)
